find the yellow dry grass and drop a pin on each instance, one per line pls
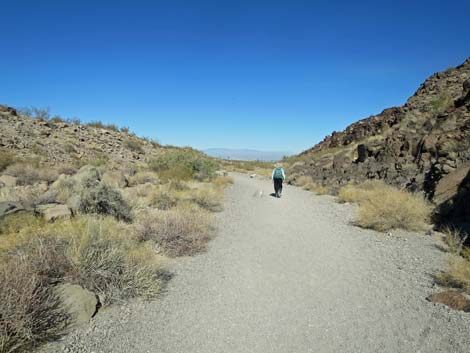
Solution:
(382, 207)
(457, 274)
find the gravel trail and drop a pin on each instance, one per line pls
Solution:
(288, 275)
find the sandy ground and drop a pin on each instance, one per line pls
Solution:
(288, 275)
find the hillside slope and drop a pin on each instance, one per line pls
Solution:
(423, 146)
(60, 142)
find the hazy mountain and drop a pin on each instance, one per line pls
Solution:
(246, 154)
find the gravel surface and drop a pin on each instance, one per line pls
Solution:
(288, 275)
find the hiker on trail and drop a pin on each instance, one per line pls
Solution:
(278, 177)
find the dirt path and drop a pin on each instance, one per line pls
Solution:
(289, 275)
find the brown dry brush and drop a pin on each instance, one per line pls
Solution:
(30, 311)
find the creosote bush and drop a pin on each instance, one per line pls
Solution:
(382, 207)
(183, 164)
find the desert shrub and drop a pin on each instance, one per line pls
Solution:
(14, 223)
(74, 121)
(304, 180)
(96, 123)
(457, 274)
(6, 159)
(178, 185)
(28, 195)
(440, 104)
(104, 200)
(454, 239)
(179, 231)
(361, 192)
(183, 164)
(143, 178)
(30, 311)
(133, 145)
(125, 129)
(57, 119)
(66, 169)
(206, 198)
(222, 182)
(35, 112)
(103, 266)
(69, 148)
(384, 208)
(25, 174)
(163, 200)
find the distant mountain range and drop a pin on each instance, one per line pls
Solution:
(246, 154)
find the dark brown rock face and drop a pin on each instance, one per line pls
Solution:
(415, 146)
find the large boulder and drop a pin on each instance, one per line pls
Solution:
(8, 207)
(53, 212)
(80, 303)
(8, 180)
(452, 299)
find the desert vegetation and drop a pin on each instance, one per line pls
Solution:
(105, 229)
(383, 207)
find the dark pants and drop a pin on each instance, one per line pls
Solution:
(278, 186)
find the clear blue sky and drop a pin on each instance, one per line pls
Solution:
(272, 75)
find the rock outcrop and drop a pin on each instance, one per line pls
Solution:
(423, 146)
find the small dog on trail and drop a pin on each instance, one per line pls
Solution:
(258, 193)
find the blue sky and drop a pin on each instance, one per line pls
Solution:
(270, 75)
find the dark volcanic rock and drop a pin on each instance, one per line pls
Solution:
(423, 145)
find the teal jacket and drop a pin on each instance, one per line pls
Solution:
(283, 174)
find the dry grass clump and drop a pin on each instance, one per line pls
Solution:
(306, 182)
(455, 240)
(30, 311)
(382, 207)
(162, 200)
(6, 158)
(28, 175)
(184, 230)
(458, 273)
(360, 192)
(144, 178)
(222, 182)
(207, 198)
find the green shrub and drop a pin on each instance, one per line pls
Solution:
(440, 104)
(133, 145)
(184, 164)
(104, 200)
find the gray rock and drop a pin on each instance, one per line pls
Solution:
(8, 180)
(52, 212)
(79, 302)
(8, 207)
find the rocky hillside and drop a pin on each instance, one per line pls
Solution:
(422, 146)
(58, 142)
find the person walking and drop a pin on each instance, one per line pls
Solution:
(278, 176)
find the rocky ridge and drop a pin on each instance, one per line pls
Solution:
(58, 143)
(422, 146)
